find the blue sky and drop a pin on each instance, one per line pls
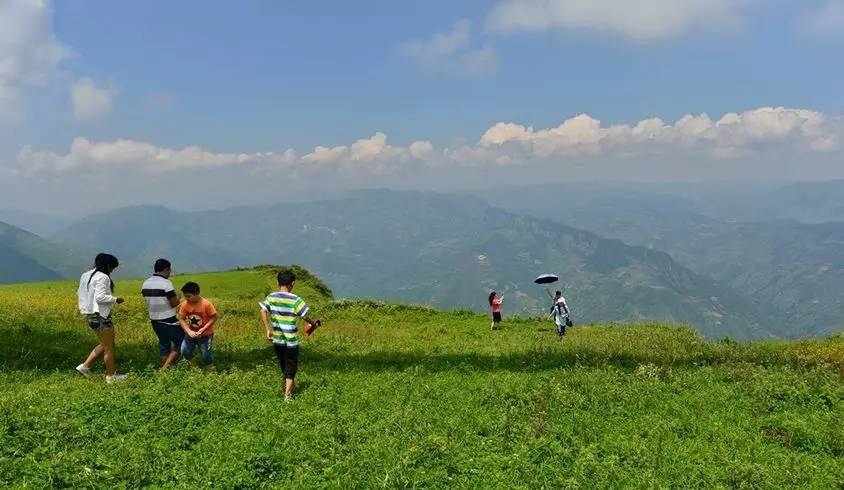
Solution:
(249, 77)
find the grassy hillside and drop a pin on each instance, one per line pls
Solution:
(443, 250)
(404, 396)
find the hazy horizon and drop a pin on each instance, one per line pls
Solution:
(482, 191)
(690, 189)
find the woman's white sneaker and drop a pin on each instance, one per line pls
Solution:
(81, 369)
(115, 377)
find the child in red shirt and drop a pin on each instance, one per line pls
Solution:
(197, 316)
(495, 303)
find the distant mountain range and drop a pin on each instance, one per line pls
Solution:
(443, 250)
(806, 202)
(25, 256)
(624, 253)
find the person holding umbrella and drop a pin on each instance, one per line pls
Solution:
(559, 308)
(495, 302)
(559, 311)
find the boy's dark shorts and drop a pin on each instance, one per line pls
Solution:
(496, 316)
(98, 323)
(288, 360)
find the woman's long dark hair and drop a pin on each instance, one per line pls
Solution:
(491, 297)
(104, 263)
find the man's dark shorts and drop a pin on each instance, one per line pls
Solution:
(288, 360)
(98, 323)
(170, 335)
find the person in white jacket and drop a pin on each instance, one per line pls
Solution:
(559, 312)
(96, 299)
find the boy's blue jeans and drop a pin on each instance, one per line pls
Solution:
(204, 343)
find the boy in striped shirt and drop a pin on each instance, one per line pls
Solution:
(279, 312)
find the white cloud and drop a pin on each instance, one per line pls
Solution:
(732, 135)
(124, 154)
(480, 61)
(420, 149)
(640, 20)
(768, 132)
(828, 20)
(451, 50)
(91, 101)
(441, 45)
(29, 51)
(373, 155)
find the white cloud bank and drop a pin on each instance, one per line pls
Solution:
(758, 132)
(373, 155)
(639, 20)
(91, 101)
(452, 50)
(30, 54)
(730, 136)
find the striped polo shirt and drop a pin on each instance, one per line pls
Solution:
(283, 309)
(157, 292)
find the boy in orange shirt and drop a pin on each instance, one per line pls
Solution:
(197, 316)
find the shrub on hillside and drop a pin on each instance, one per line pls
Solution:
(302, 275)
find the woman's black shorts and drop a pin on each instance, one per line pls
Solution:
(496, 316)
(98, 323)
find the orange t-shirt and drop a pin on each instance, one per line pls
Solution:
(197, 315)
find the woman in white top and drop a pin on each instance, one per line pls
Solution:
(96, 299)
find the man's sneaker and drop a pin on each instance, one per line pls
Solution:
(81, 369)
(288, 398)
(115, 377)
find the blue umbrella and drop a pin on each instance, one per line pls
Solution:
(546, 279)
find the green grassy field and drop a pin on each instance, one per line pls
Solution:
(401, 396)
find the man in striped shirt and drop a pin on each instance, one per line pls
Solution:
(279, 312)
(162, 302)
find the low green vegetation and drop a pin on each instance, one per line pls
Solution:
(407, 396)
